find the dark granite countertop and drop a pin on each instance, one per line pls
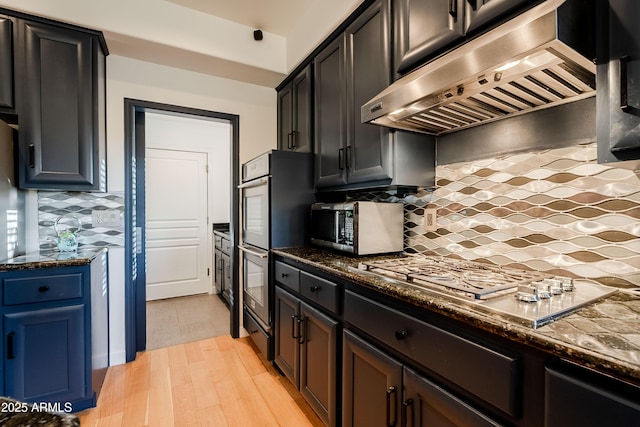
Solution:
(19, 414)
(51, 259)
(604, 335)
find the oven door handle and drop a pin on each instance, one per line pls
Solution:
(255, 183)
(253, 252)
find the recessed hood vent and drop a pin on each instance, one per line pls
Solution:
(524, 65)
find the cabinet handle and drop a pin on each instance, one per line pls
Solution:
(624, 94)
(348, 157)
(405, 411)
(32, 156)
(341, 158)
(314, 288)
(10, 353)
(293, 139)
(402, 334)
(289, 143)
(293, 327)
(453, 8)
(392, 391)
(473, 4)
(43, 289)
(302, 329)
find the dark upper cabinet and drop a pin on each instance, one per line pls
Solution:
(618, 82)
(330, 111)
(295, 113)
(479, 13)
(60, 106)
(350, 71)
(6, 64)
(368, 151)
(424, 26)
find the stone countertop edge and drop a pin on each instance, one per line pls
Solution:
(16, 413)
(51, 259)
(545, 338)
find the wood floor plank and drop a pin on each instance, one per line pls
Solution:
(218, 382)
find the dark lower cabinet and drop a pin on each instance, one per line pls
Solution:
(371, 384)
(306, 352)
(379, 390)
(577, 397)
(426, 404)
(6, 64)
(45, 355)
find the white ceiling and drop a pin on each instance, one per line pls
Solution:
(272, 16)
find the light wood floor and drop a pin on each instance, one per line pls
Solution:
(215, 382)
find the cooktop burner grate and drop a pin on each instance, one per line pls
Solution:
(467, 278)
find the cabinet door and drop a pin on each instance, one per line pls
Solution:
(45, 354)
(218, 269)
(285, 118)
(371, 385)
(287, 335)
(618, 91)
(423, 28)
(576, 397)
(301, 138)
(6, 62)
(368, 151)
(57, 109)
(318, 359)
(478, 13)
(226, 274)
(426, 404)
(330, 115)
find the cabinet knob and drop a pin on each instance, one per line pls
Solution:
(285, 275)
(402, 334)
(43, 289)
(315, 288)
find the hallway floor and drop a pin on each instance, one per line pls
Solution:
(186, 319)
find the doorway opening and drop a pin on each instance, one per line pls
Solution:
(136, 234)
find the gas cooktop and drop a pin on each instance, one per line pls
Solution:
(526, 297)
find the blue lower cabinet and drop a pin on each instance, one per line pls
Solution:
(45, 356)
(55, 335)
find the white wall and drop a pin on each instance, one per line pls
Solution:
(128, 78)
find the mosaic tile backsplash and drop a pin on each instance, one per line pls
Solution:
(556, 211)
(52, 205)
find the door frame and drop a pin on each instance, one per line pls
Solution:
(134, 144)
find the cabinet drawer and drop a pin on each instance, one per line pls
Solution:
(287, 276)
(489, 374)
(321, 291)
(218, 241)
(28, 290)
(226, 245)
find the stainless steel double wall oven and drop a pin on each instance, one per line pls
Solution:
(277, 191)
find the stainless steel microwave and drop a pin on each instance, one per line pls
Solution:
(359, 228)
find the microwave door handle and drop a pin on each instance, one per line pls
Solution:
(252, 252)
(254, 183)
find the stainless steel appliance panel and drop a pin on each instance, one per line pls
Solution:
(255, 275)
(255, 212)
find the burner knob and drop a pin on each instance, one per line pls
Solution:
(567, 283)
(544, 290)
(527, 293)
(555, 286)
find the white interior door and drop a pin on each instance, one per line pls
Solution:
(177, 230)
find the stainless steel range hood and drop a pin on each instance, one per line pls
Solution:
(524, 65)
